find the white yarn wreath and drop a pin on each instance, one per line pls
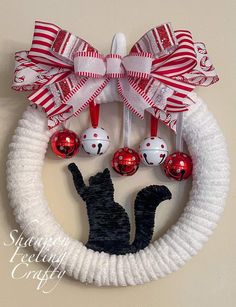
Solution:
(167, 254)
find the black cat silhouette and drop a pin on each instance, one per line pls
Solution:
(108, 221)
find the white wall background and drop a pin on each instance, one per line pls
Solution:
(208, 279)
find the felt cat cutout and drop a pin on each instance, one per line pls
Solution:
(108, 221)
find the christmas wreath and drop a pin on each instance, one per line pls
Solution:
(67, 75)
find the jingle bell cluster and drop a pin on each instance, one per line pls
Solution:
(152, 152)
(95, 142)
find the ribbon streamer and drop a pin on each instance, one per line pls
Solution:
(66, 73)
(179, 133)
(94, 109)
(118, 47)
(154, 126)
(126, 126)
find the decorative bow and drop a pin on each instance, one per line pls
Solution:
(66, 73)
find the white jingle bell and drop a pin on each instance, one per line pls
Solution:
(153, 151)
(95, 141)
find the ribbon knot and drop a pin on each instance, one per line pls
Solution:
(66, 73)
(94, 65)
(114, 66)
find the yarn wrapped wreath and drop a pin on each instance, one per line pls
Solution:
(158, 75)
(179, 244)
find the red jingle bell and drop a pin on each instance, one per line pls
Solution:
(126, 161)
(65, 143)
(178, 166)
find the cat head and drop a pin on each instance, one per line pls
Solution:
(101, 182)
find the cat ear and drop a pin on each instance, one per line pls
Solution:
(107, 179)
(106, 173)
(107, 176)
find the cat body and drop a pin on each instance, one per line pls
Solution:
(108, 221)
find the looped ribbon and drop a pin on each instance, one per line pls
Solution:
(66, 73)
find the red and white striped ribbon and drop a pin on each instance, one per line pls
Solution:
(66, 73)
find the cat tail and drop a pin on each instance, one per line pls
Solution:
(146, 202)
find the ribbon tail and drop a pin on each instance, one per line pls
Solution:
(44, 96)
(134, 98)
(156, 91)
(56, 113)
(63, 99)
(59, 118)
(85, 92)
(168, 119)
(177, 100)
(140, 95)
